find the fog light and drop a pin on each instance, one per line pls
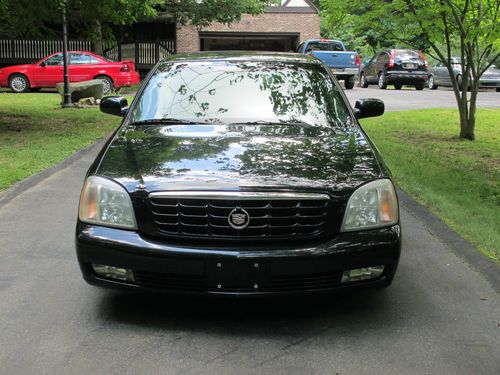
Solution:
(116, 273)
(359, 274)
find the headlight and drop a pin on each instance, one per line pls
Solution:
(371, 206)
(104, 202)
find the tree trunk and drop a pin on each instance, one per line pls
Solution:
(467, 127)
(98, 44)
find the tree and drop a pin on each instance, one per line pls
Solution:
(94, 19)
(442, 28)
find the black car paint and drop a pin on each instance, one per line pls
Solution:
(342, 159)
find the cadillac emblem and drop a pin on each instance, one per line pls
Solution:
(238, 218)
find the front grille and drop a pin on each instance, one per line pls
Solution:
(196, 283)
(271, 215)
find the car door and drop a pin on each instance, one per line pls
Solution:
(366, 67)
(440, 73)
(382, 60)
(52, 71)
(79, 67)
(375, 67)
(370, 72)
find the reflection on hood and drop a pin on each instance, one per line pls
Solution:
(239, 156)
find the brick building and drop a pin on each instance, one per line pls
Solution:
(280, 28)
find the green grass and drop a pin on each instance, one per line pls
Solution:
(458, 180)
(35, 133)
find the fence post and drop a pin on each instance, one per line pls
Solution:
(12, 49)
(136, 53)
(157, 50)
(119, 51)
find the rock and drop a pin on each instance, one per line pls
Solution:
(86, 89)
(87, 101)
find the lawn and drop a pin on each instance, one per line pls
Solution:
(35, 133)
(458, 180)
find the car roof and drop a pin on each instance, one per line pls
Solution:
(243, 56)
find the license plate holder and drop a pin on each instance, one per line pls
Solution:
(409, 66)
(237, 274)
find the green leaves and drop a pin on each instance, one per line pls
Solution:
(202, 13)
(94, 18)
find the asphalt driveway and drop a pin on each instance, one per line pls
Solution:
(439, 317)
(409, 98)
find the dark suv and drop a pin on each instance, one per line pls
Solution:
(396, 67)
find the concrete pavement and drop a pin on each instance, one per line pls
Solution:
(439, 317)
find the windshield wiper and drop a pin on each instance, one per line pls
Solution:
(167, 121)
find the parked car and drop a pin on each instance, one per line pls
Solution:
(83, 66)
(439, 76)
(241, 174)
(396, 67)
(342, 63)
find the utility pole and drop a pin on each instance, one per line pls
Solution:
(67, 96)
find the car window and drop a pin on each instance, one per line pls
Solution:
(325, 46)
(79, 59)
(382, 57)
(236, 92)
(94, 60)
(407, 54)
(54, 60)
(300, 49)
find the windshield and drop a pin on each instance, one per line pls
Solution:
(241, 92)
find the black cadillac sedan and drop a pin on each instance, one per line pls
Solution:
(240, 174)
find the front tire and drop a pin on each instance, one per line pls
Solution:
(349, 83)
(362, 81)
(432, 85)
(419, 86)
(107, 84)
(382, 84)
(498, 89)
(19, 83)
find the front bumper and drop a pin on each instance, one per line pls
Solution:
(239, 270)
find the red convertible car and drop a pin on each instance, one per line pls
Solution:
(82, 67)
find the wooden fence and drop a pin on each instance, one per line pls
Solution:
(144, 54)
(19, 51)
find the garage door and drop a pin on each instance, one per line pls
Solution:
(226, 41)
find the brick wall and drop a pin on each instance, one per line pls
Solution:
(306, 24)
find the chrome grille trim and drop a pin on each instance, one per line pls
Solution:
(272, 215)
(229, 195)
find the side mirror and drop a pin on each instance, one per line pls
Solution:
(42, 64)
(114, 105)
(369, 108)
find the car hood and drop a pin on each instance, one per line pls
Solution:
(233, 157)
